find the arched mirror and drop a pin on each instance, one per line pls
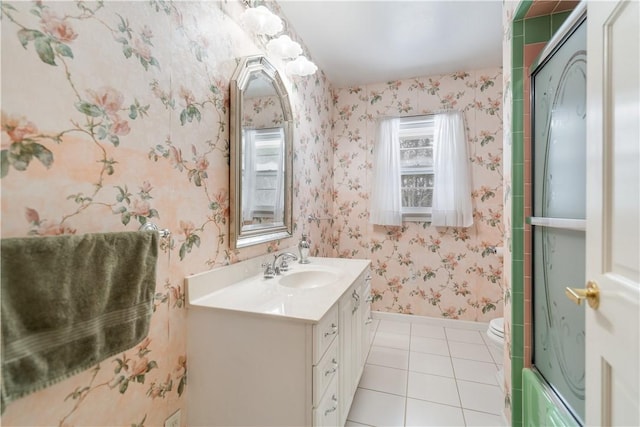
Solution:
(261, 156)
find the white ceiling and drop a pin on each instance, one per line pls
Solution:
(361, 42)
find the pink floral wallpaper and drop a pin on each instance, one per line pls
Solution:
(117, 113)
(419, 269)
(508, 11)
(264, 112)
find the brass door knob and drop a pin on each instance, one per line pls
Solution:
(591, 293)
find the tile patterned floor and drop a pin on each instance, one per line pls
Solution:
(422, 374)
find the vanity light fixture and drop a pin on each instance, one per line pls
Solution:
(261, 20)
(301, 66)
(284, 47)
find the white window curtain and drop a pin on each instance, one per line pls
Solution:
(452, 178)
(278, 211)
(248, 183)
(386, 201)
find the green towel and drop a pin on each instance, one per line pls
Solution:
(69, 302)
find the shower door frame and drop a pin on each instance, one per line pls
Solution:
(573, 22)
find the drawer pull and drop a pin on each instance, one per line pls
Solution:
(330, 410)
(333, 408)
(356, 297)
(334, 330)
(368, 321)
(332, 370)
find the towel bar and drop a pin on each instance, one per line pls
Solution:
(150, 226)
(313, 217)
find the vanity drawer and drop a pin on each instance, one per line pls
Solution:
(324, 333)
(324, 372)
(326, 413)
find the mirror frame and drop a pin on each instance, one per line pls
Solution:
(240, 238)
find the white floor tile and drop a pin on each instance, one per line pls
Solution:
(463, 350)
(390, 357)
(445, 373)
(464, 335)
(373, 329)
(388, 339)
(433, 388)
(480, 397)
(486, 339)
(427, 331)
(497, 354)
(430, 364)
(430, 345)
(427, 414)
(472, 370)
(377, 409)
(374, 324)
(386, 380)
(395, 327)
(481, 419)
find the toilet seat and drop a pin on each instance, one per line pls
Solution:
(496, 326)
(495, 332)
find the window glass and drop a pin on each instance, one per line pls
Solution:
(416, 163)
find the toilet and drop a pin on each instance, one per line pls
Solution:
(495, 332)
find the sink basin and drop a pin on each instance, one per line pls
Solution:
(308, 279)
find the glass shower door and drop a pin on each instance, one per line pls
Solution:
(559, 208)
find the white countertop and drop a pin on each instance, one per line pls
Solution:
(241, 287)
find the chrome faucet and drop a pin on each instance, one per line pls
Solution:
(271, 269)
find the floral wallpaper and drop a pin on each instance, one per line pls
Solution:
(264, 112)
(115, 114)
(419, 269)
(508, 11)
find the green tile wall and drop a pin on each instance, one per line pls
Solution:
(557, 19)
(517, 209)
(522, 9)
(518, 28)
(537, 29)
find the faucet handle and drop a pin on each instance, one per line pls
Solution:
(269, 271)
(284, 265)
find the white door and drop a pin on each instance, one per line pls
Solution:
(613, 213)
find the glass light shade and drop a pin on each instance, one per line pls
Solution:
(301, 66)
(284, 47)
(261, 20)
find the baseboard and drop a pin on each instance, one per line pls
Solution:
(435, 321)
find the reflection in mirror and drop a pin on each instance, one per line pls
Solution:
(261, 141)
(262, 177)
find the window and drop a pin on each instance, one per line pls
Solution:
(421, 171)
(416, 167)
(267, 150)
(262, 175)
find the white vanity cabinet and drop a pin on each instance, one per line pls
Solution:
(355, 339)
(260, 369)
